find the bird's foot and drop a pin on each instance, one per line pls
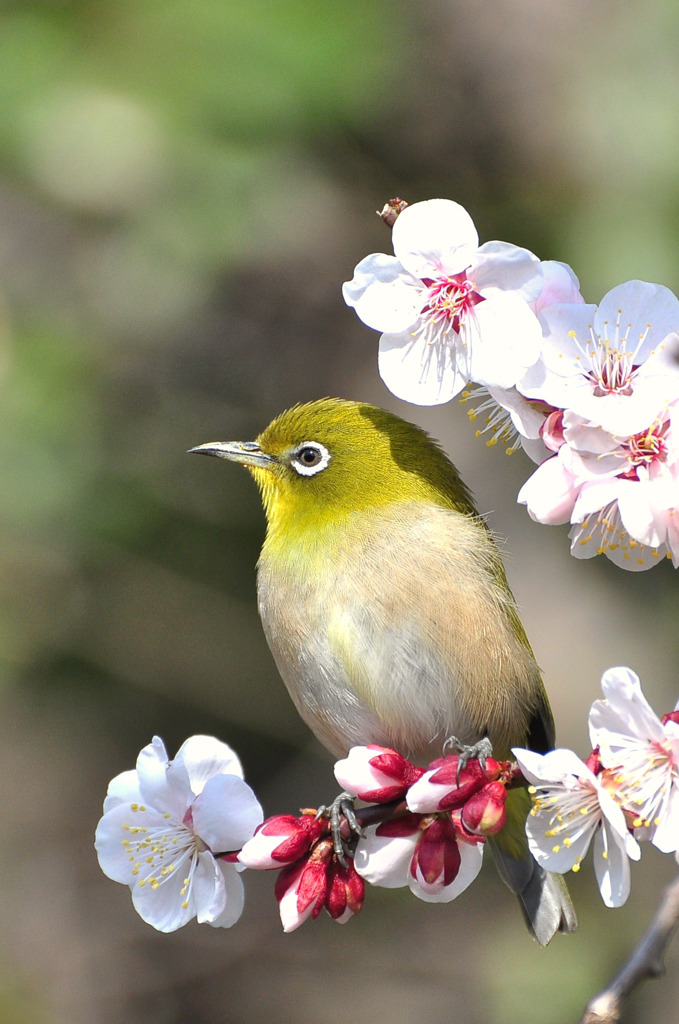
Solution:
(341, 810)
(480, 750)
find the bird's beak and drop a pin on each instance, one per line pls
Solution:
(247, 452)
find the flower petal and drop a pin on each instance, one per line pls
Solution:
(420, 373)
(226, 813)
(435, 235)
(611, 865)
(384, 860)
(204, 756)
(385, 296)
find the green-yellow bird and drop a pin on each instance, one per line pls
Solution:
(386, 607)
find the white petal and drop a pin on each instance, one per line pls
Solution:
(163, 907)
(235, 897)
(385, 296)
(226, 813)
(356, 774)
(204, 756)
(615, 820)
(471, 859)
(163, 785)
(507, 267)
(115, 859)
(624, 711)
(385, 860)
(650, 310)
(436, 235)
(208, 888)
(420, 373)
(291, 917)
(551, 767)
(424, 796)
(642, 521)
(525, 417)
(611, 866)
(550, 852)
(124, 789)
(505, 342)
(666, 833)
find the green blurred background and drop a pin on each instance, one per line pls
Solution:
(183, 188)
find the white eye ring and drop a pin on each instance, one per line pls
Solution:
(310, 458)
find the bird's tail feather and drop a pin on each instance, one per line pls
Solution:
(543, 896)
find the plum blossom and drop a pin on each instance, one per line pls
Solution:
(376, 774)
(615, 365)
(621, 493)
(640, 753)
(572, 807)
(165, 825)
(510, 419)
(433, 854)
(506, 415)
(449, 310)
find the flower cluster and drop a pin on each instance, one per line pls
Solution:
(429, 835)
(179, 832)
(590, 392)
(626, 792)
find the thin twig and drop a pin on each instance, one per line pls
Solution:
(646, 961)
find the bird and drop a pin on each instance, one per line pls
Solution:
(386, 607)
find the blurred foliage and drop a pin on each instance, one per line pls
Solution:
(183, 188)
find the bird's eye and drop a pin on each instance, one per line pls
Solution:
(310, 458)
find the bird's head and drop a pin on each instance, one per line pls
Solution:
(323, 461)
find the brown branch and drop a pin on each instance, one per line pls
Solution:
(646, 961)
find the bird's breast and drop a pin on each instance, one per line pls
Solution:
(392, 629)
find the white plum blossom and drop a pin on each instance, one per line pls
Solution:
(615, 365)
(572, 807)
(434, 856)
(165, 825)
(641, 754)
(448, 309)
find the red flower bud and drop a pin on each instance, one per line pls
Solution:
(471, 779)
(484, 813)
(345, 891)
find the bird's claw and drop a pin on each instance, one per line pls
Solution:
(479, 751)
(341, 809)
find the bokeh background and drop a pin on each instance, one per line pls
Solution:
(183, 189)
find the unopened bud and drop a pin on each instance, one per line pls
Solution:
(346, 890)
(460, 784)
(484, 813)
(391, 210)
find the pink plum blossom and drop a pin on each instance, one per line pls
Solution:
(614, 365)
